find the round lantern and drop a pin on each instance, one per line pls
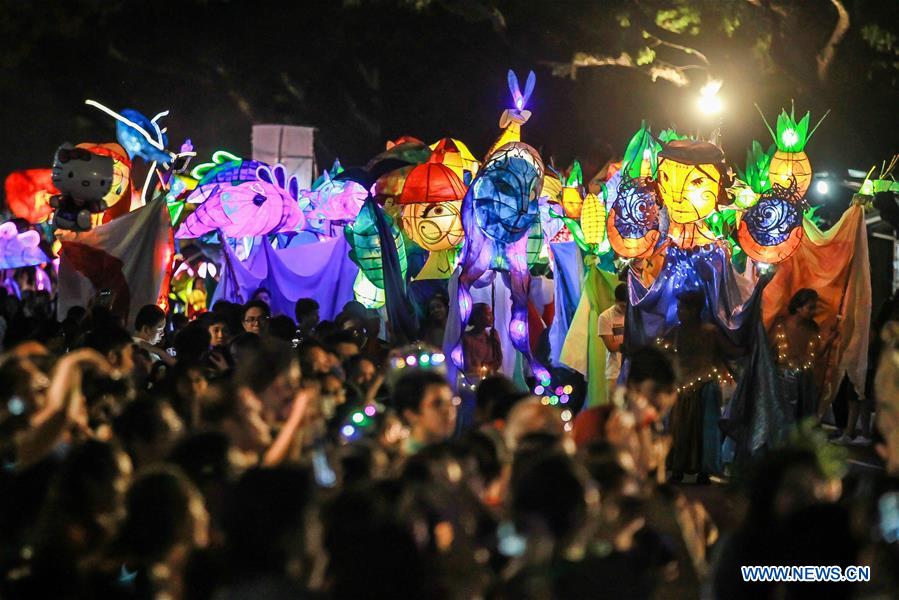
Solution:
(689, 179)
(771, 230)
(789, 167)
(633, 226)
(28, 194)
(431, 203)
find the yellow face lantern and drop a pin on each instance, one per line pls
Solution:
(689, 179)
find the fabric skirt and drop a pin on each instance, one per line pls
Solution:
(799, 393)
(696, 443)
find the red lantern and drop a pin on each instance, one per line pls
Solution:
(28, 194)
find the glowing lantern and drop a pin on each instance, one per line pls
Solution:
(771, 230)
(431, 214)
(365, 244)
(19, 249)
(457, 157)
(121, 170)
(513, 118)
(407, 149)
(267, 205)
(571, 192)
(689, 179)
(28, 194)
(367, 293)
(593, 219)
(790, 165)
(690, 235)
(633, 226)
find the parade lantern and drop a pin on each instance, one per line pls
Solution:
(431, 204)
(365, 292)
(754, 181)
(513, 118)
(269, 204)
(593, 220)
(457, 157)
(19, 249)
(571, 192)
(140, 136)
(689, 179)
(334, 199)
(498, 212)
(405, 151)
(790, 163)
(771, 230)
(28, 194)
(633, 225)
(365, 245)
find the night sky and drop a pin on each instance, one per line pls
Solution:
(366, 71)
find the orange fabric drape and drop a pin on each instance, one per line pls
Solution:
(834, 263)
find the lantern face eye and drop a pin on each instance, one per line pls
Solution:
(434, 226)
(690, 192)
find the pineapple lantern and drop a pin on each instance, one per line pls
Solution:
(790, 165)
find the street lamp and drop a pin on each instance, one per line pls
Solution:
(709, 102)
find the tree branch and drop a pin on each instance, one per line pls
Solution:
(825, 57)
(671, 73)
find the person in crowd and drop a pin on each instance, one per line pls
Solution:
(425, 401)
(255, 316)
(434, 325)
(611, 330)
(480, 344)
(321, 471)
(306, 312)
(149, 330)
(147, 428)
(217, 325)
(798, 347)
(698, 352)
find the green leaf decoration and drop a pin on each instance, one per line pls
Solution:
(637, 148)
(789, 134)
(757, 163)
(575, 176)
(219, 157)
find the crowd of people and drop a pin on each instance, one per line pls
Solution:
(248, 455)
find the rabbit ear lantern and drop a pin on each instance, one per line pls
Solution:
(513, 118)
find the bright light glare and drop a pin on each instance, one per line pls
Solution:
(822, 187)
(710, 105)
(789, 137)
